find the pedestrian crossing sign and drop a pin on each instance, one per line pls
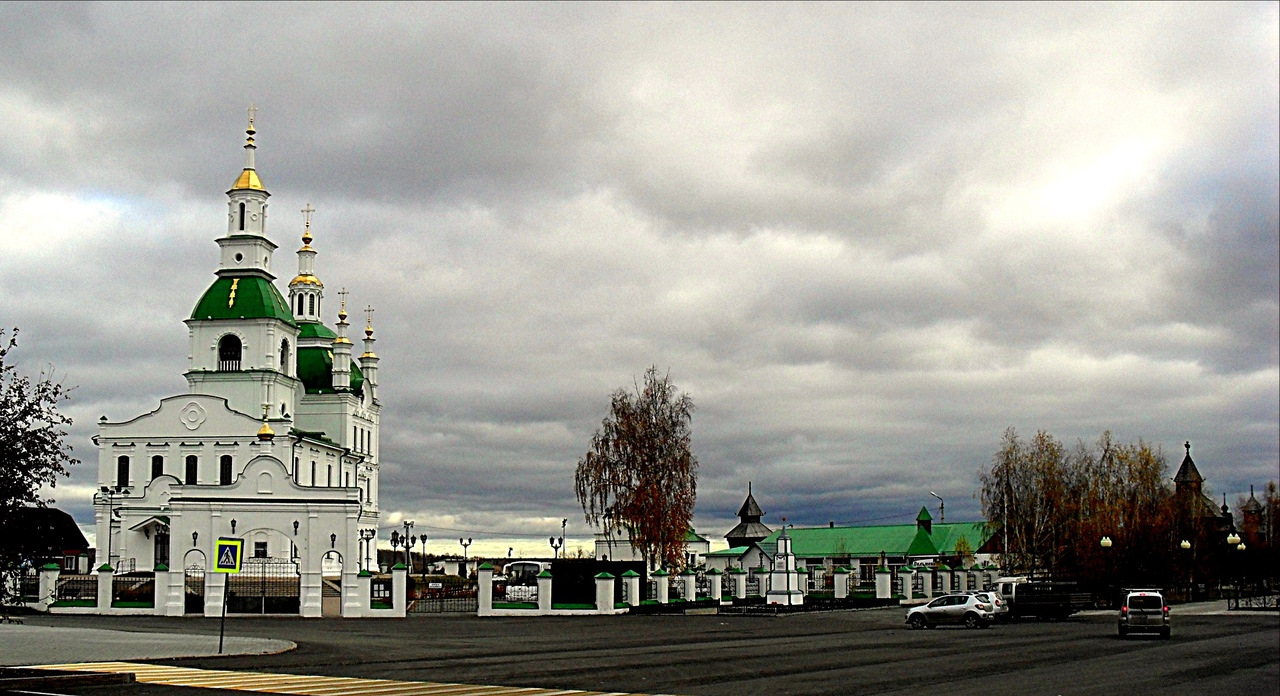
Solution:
(227, 554)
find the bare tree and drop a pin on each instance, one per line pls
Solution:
(33, 453)
(640, 474)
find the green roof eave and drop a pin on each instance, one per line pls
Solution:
(922, 545)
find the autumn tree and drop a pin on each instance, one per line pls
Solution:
(1050, 507)
(640, 474)
(33, 452)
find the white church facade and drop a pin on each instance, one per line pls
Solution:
(275, 441)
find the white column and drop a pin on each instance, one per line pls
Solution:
(690, 585)
(309, 585)
(946, 580)
(604, 593)
(632, 578)
(544, 591)
(484, 590)
(713, 579)
(105, 576)
(215, 584)
(660, 582)
(926, 576)
(399, 590)
(884, 580)
(48, 586)
(840, 579)
(364, 594)
(739, 583)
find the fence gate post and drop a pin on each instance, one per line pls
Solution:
(544, 592)
(484, 590)
(632, 579)
(661, 585)
(399, 590)
(48, 586)
(604, 593)
(884, 581)
(840, 580)
(713, 584)
(106, 576)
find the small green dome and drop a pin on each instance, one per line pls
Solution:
(243, 297)
(315, 369)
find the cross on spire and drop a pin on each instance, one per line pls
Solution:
(306, 215)
(253, 109)
(368, 315)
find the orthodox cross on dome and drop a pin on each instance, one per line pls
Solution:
(253, 109)
(344, 292)
(306, 215)
(368, 317)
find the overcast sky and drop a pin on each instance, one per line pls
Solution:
(864, 238)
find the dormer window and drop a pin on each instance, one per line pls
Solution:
(229, 351)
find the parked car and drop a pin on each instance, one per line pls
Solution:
(996, 600)
(1143, 611)
(967, 609)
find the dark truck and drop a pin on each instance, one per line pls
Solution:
(1044, 599)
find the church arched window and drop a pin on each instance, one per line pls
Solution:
(229, 353)
(224, 470)
(157, 466)
(122, 471)
(193, 467)
(284, 356)
(311, 303)
(242, 217)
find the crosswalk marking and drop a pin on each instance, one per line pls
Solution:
(307, 685)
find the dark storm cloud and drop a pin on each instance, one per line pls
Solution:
(865, 238)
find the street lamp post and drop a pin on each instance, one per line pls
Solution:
(942, 507)
(465, 543)
(556, 545)
(1106, 554)
(367, 535)
(1191, 569)
(111, 493)
(407, 541)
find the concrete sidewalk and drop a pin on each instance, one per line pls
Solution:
(22, 645)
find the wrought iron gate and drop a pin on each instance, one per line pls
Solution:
(265, 586)
(193, 589)
(445, 599)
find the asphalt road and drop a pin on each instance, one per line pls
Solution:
(867, 652)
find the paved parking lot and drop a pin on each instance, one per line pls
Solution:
(867, 652)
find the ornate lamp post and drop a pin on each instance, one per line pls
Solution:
(556, 545)
(112, 493)
(367, 535)
(465, 543)
(406, 540)
(1191, 560)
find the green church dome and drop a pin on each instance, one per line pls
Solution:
(315, 369)
(314, 329)
(243, 297)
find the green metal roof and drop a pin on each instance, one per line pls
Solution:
(924, 515)
(315, 369)
(314, 329)
(735, 552)
(255, 298)
(895, 539)
(922, 545)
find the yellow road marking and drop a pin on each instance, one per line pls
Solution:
(307, 685)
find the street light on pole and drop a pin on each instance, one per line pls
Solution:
(367, 536)
(942, 507)
(464, 543)
(111, 493)
(407, 540)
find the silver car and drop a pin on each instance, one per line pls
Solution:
(965, 609)
(1143, 611)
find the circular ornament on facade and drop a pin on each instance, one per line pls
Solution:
(253, 216)
(192, 415)
(239, 258)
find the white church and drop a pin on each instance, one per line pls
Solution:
(275, 441)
